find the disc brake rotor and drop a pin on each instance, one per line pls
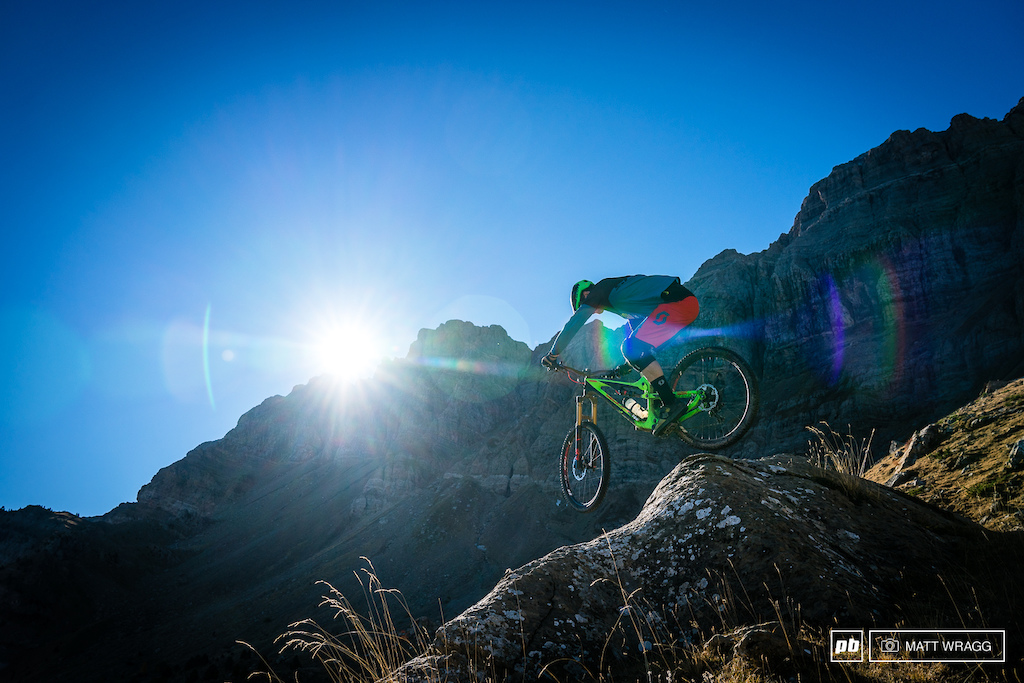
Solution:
(579, 468)
(709, 397)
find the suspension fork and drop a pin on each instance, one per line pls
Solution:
(580, 400)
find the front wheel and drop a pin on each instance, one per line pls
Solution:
(726, 394)
(583, 467)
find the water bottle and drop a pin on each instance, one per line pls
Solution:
(634, 407)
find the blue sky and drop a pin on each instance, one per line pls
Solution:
(198, 198)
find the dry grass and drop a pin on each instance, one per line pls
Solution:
(842, 453)
(966, 471)
(843, 460)
(367, 647)
(645, 645)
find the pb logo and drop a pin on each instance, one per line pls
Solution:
(847, 645)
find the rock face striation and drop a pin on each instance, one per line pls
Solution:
(898, 291)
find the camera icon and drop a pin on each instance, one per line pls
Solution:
(889, 645)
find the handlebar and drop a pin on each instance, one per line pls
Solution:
(612, 373)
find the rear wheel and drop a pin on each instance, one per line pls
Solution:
(726, 394)
(583, 467)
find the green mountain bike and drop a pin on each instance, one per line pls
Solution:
(721, 396)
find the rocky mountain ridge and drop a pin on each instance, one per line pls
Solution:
(898, 291)
(846, 319)
(442, 470)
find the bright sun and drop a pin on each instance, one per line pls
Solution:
(351, 350)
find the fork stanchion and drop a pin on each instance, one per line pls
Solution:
(580, 400)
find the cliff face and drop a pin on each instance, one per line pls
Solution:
(899, 289)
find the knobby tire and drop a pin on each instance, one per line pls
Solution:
(584, 467)
(730, 381)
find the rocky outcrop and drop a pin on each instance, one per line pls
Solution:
(447, 454)
(472, 364)
(416, 417)
(965, 461)
(898, 292)
(722, 542)
(1015, 458)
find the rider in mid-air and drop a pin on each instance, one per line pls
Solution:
(656, 308)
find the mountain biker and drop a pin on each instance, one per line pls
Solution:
(656, 308)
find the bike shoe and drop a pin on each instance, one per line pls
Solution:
(668, 417)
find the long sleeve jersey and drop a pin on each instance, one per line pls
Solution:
(632, 297)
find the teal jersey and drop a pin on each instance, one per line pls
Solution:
(632, 297)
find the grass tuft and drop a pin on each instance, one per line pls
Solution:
(842, 453)
(367, 647)
(843, 460)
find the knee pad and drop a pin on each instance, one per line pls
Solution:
(639, 354)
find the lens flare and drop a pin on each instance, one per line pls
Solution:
(864, 323)
(206, 357)
(890, 317)
(835, 317)
(470, 380)
(608, 348)
(473, 367)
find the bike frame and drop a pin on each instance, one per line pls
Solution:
(641, 390)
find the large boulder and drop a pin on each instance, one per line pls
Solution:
(721, 543)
